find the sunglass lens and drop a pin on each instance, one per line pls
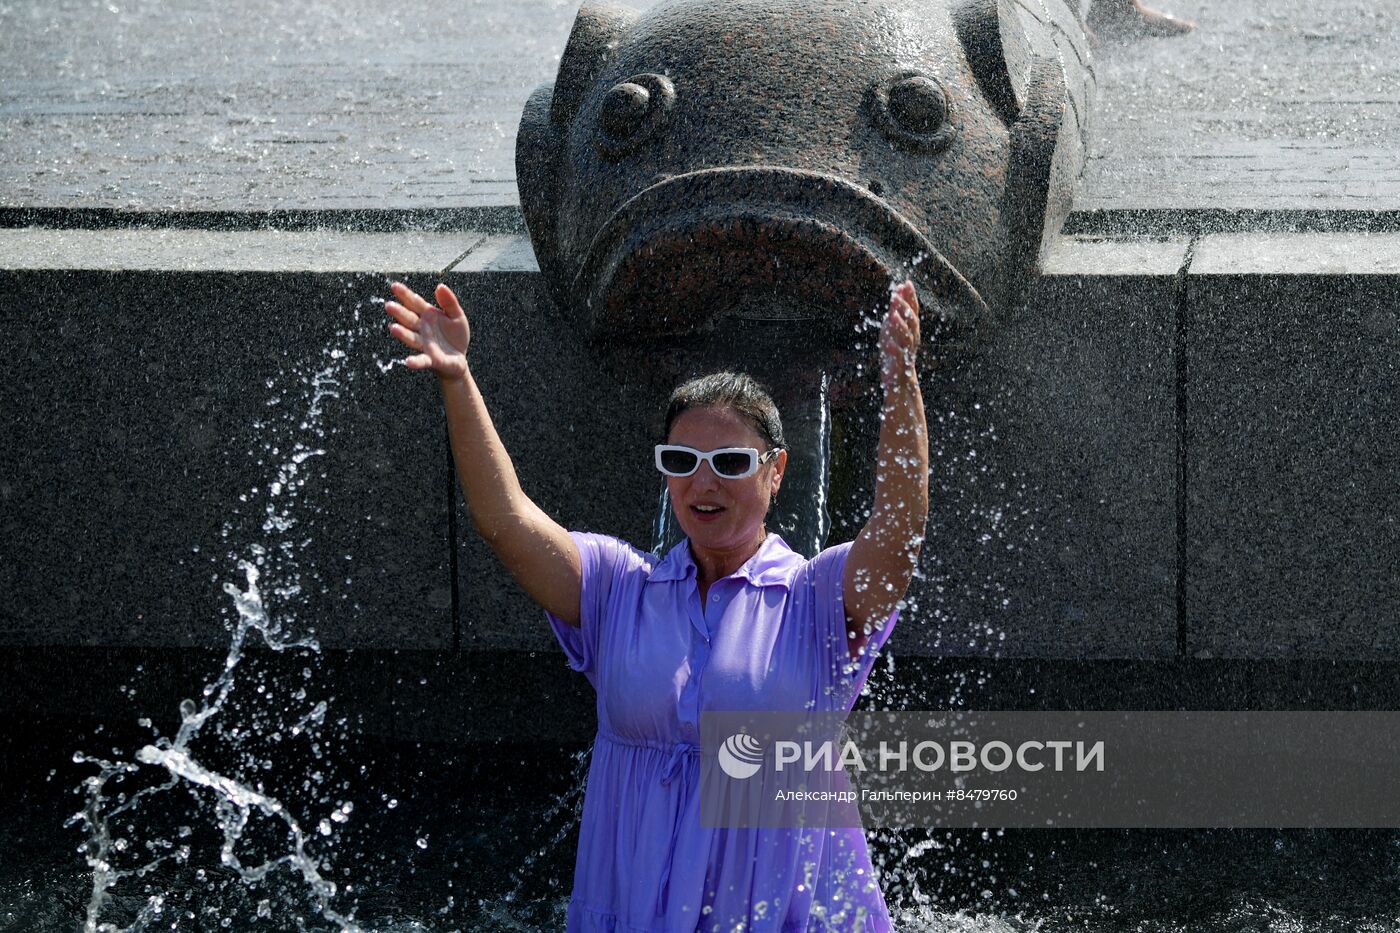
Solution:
(733, 463)
(679, 462)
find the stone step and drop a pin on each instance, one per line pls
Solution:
(191, 249)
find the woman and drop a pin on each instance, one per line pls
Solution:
(731, 618)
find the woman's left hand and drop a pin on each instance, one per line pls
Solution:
(885, 553)
(899, 338)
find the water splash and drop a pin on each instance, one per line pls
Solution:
(570, 802)
(110, 817)
(235, 801)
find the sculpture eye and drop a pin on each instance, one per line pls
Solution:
(624, 109)
(912, 109)
(632, 111)
(917, 103)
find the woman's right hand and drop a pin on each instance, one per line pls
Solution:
(440, 336)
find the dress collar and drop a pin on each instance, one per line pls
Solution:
(773, 564)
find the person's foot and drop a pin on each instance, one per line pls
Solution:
(1130, 19)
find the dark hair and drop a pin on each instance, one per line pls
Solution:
(738, 391)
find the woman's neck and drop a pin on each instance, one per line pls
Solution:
(715, 565)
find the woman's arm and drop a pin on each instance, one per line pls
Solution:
(885, 553)
(536, 550)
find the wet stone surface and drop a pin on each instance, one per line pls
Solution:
(1292, 420)
(134, 104)
(198, 417)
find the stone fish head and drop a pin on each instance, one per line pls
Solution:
(789, 159)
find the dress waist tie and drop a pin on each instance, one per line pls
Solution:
(675, 767)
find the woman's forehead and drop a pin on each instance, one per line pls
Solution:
(725, 426)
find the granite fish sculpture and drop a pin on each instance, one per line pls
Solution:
(788, 159)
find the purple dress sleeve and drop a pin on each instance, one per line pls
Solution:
(599, 555)
(846, 675)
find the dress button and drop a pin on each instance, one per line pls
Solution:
(714, 598)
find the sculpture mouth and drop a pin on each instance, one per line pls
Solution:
(762, 243)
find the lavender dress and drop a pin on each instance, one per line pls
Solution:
(771, 636)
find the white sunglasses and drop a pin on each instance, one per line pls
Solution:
(727, 462)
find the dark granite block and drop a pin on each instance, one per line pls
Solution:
(1052, 523)
(1293, 493)
(149, 417)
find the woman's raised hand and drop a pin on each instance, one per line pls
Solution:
(885, 554)
(439, 335)
(899, 337)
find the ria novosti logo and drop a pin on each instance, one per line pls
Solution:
(741, 756)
